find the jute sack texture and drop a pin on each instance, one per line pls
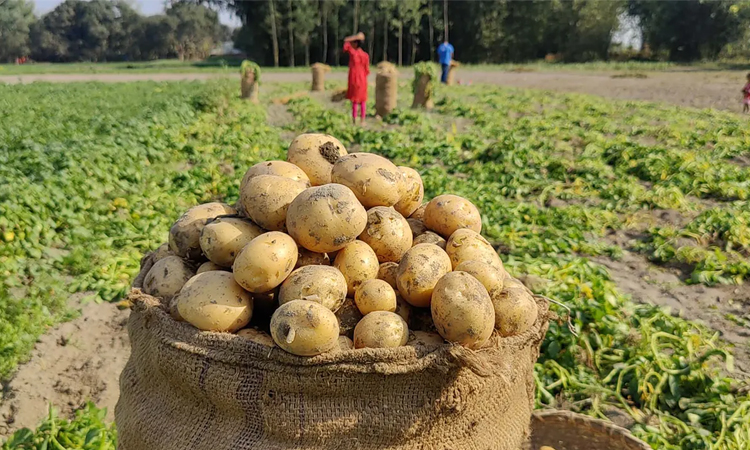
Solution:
(249, 87)
(386, 89)
(319, 76)
(185, 389)
(423, 93)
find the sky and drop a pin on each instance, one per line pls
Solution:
(147, 7)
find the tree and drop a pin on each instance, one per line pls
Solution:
(16, 18)
(306, 20)
(197, 30)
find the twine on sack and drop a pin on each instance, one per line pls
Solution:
(570, 312)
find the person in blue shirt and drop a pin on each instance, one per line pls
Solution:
(445, 55)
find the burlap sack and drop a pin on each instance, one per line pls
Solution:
(319, 76)
(249, 87)
(386, 89)
(188, 390)
(452, 69)
(422, 95)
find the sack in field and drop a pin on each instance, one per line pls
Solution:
(451, 80)
(386, 89)
(186, 389)
(319, 76)
(423, 93)
(249, 86)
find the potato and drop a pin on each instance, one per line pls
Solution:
(265, 262)
(467, 245)
(387, 272)
(447, 213)
(213, 301)
(162, 252)
(322, 284)
(257, 336)
(304, 328)
(490, 277)
(266, 198)
(166, 277)
(381, 329)
(315, 154)
(417, 227)
(412, 193)
(373, 179)
(403, 308)
(462, 310)
(307, 258)
(324, 219)
(345, 344)
(428, 237)
(424, 339)
(208, 266)
(420, 269)
(418, 214)
(348, 316)
(387, 233)
(358, 262)
(185, 234)
(174, 312)
(375, 295)
(279, 168)
(515, 309)
(223, 238)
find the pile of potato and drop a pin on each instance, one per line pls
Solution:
(330, 251)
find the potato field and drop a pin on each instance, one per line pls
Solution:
(635, 215)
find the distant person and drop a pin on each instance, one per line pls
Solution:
(359, 68)
(445, 55)
(746, 96)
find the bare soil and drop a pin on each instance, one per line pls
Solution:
(73, 363)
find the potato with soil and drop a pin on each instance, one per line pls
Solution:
(425, 339)
(428, 237)
(208, 266)
(419, 271)
(387, 233)
(326, 218)
(381, 329)
(387, 272)
(462, 310)
(348, 316)
(315, 154)
(403, 308)
(307, 258)
(412, 192)
(322, 284)
(467, 245)
(257, 336)
(515, 309)
(266, 198)
(304, 328)
(418, 214)
(185, 234)
(345, 344)
(359, 263)
(161, 252)
(373, 179)
(166, 277)
(213, 301)
(445, 214)
(265, 262)
(223, 238)
(375, 295)
(280, 168)
(491, 277)
(417, 227)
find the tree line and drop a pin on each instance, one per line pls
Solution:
(294, 32)
(107, 30)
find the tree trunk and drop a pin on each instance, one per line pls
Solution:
(400, 44)
(385, 38)
(432, 31)
(290, 28)
(355, 17)
(371, 39)
(307, 53)
(274, 35)
(336, 48)
(445, 19)
(325, 35)
(413, 48)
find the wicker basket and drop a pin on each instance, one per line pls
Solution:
(564, 430)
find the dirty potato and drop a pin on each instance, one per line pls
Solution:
(375, 295)
(280, 168)
(387, 233)
(161, 252)
(348, 316)
(322, 284)
(373, 179)
(260, 337)
(412, 193)
(381, 329)
(223, 238)
(462, 310)
(491, 277)
(166, 277)
(417, 227)
(266, 198)
(418, 214)
(358, 262)
(425, 339)
(185, 234)
(387, 272)
(304, 328)
(326, 218)
(213, 301)
(418, 272)
(208, 266)
(315, 154)
(307, 258)
(265, 262)
(445, 214)
(467, 245)
(515, 309)
(428, 237)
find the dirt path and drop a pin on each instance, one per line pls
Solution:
(71, 364)
(700, 89)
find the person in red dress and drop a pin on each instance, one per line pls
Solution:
(746, 96)
(359, 69)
